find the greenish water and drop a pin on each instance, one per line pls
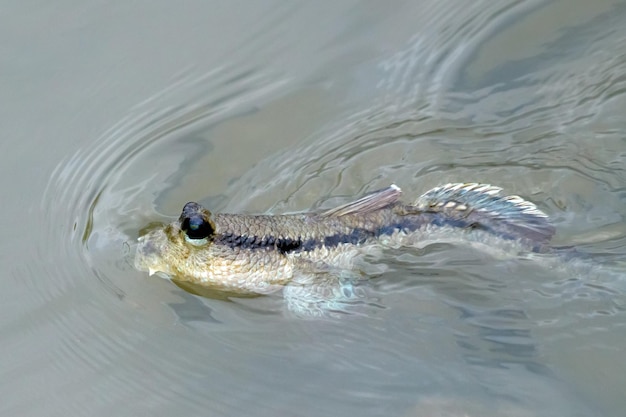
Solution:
(115, 115)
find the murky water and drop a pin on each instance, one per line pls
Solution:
(114, 116)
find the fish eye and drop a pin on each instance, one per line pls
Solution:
(196, 222)
(196, 227)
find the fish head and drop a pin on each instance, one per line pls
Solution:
(180, 249)
(190, 249)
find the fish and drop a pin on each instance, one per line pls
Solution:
(243, 254)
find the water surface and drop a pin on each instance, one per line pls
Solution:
(116, 115)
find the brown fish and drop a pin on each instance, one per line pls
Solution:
(259, 254)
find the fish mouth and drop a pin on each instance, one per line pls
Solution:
(148, 256)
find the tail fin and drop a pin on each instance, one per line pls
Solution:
(479, 205)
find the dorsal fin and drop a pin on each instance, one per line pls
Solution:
(370, 202)
(482, 205)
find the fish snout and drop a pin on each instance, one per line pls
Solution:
(148, 256)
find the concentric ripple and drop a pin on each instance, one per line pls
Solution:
(443, 104)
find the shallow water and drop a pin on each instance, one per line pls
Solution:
(116, 115)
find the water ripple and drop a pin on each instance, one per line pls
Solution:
(432, 117)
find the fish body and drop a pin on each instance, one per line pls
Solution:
(260, 254)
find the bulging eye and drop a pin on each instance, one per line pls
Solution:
(196, 227)
(195, 221)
